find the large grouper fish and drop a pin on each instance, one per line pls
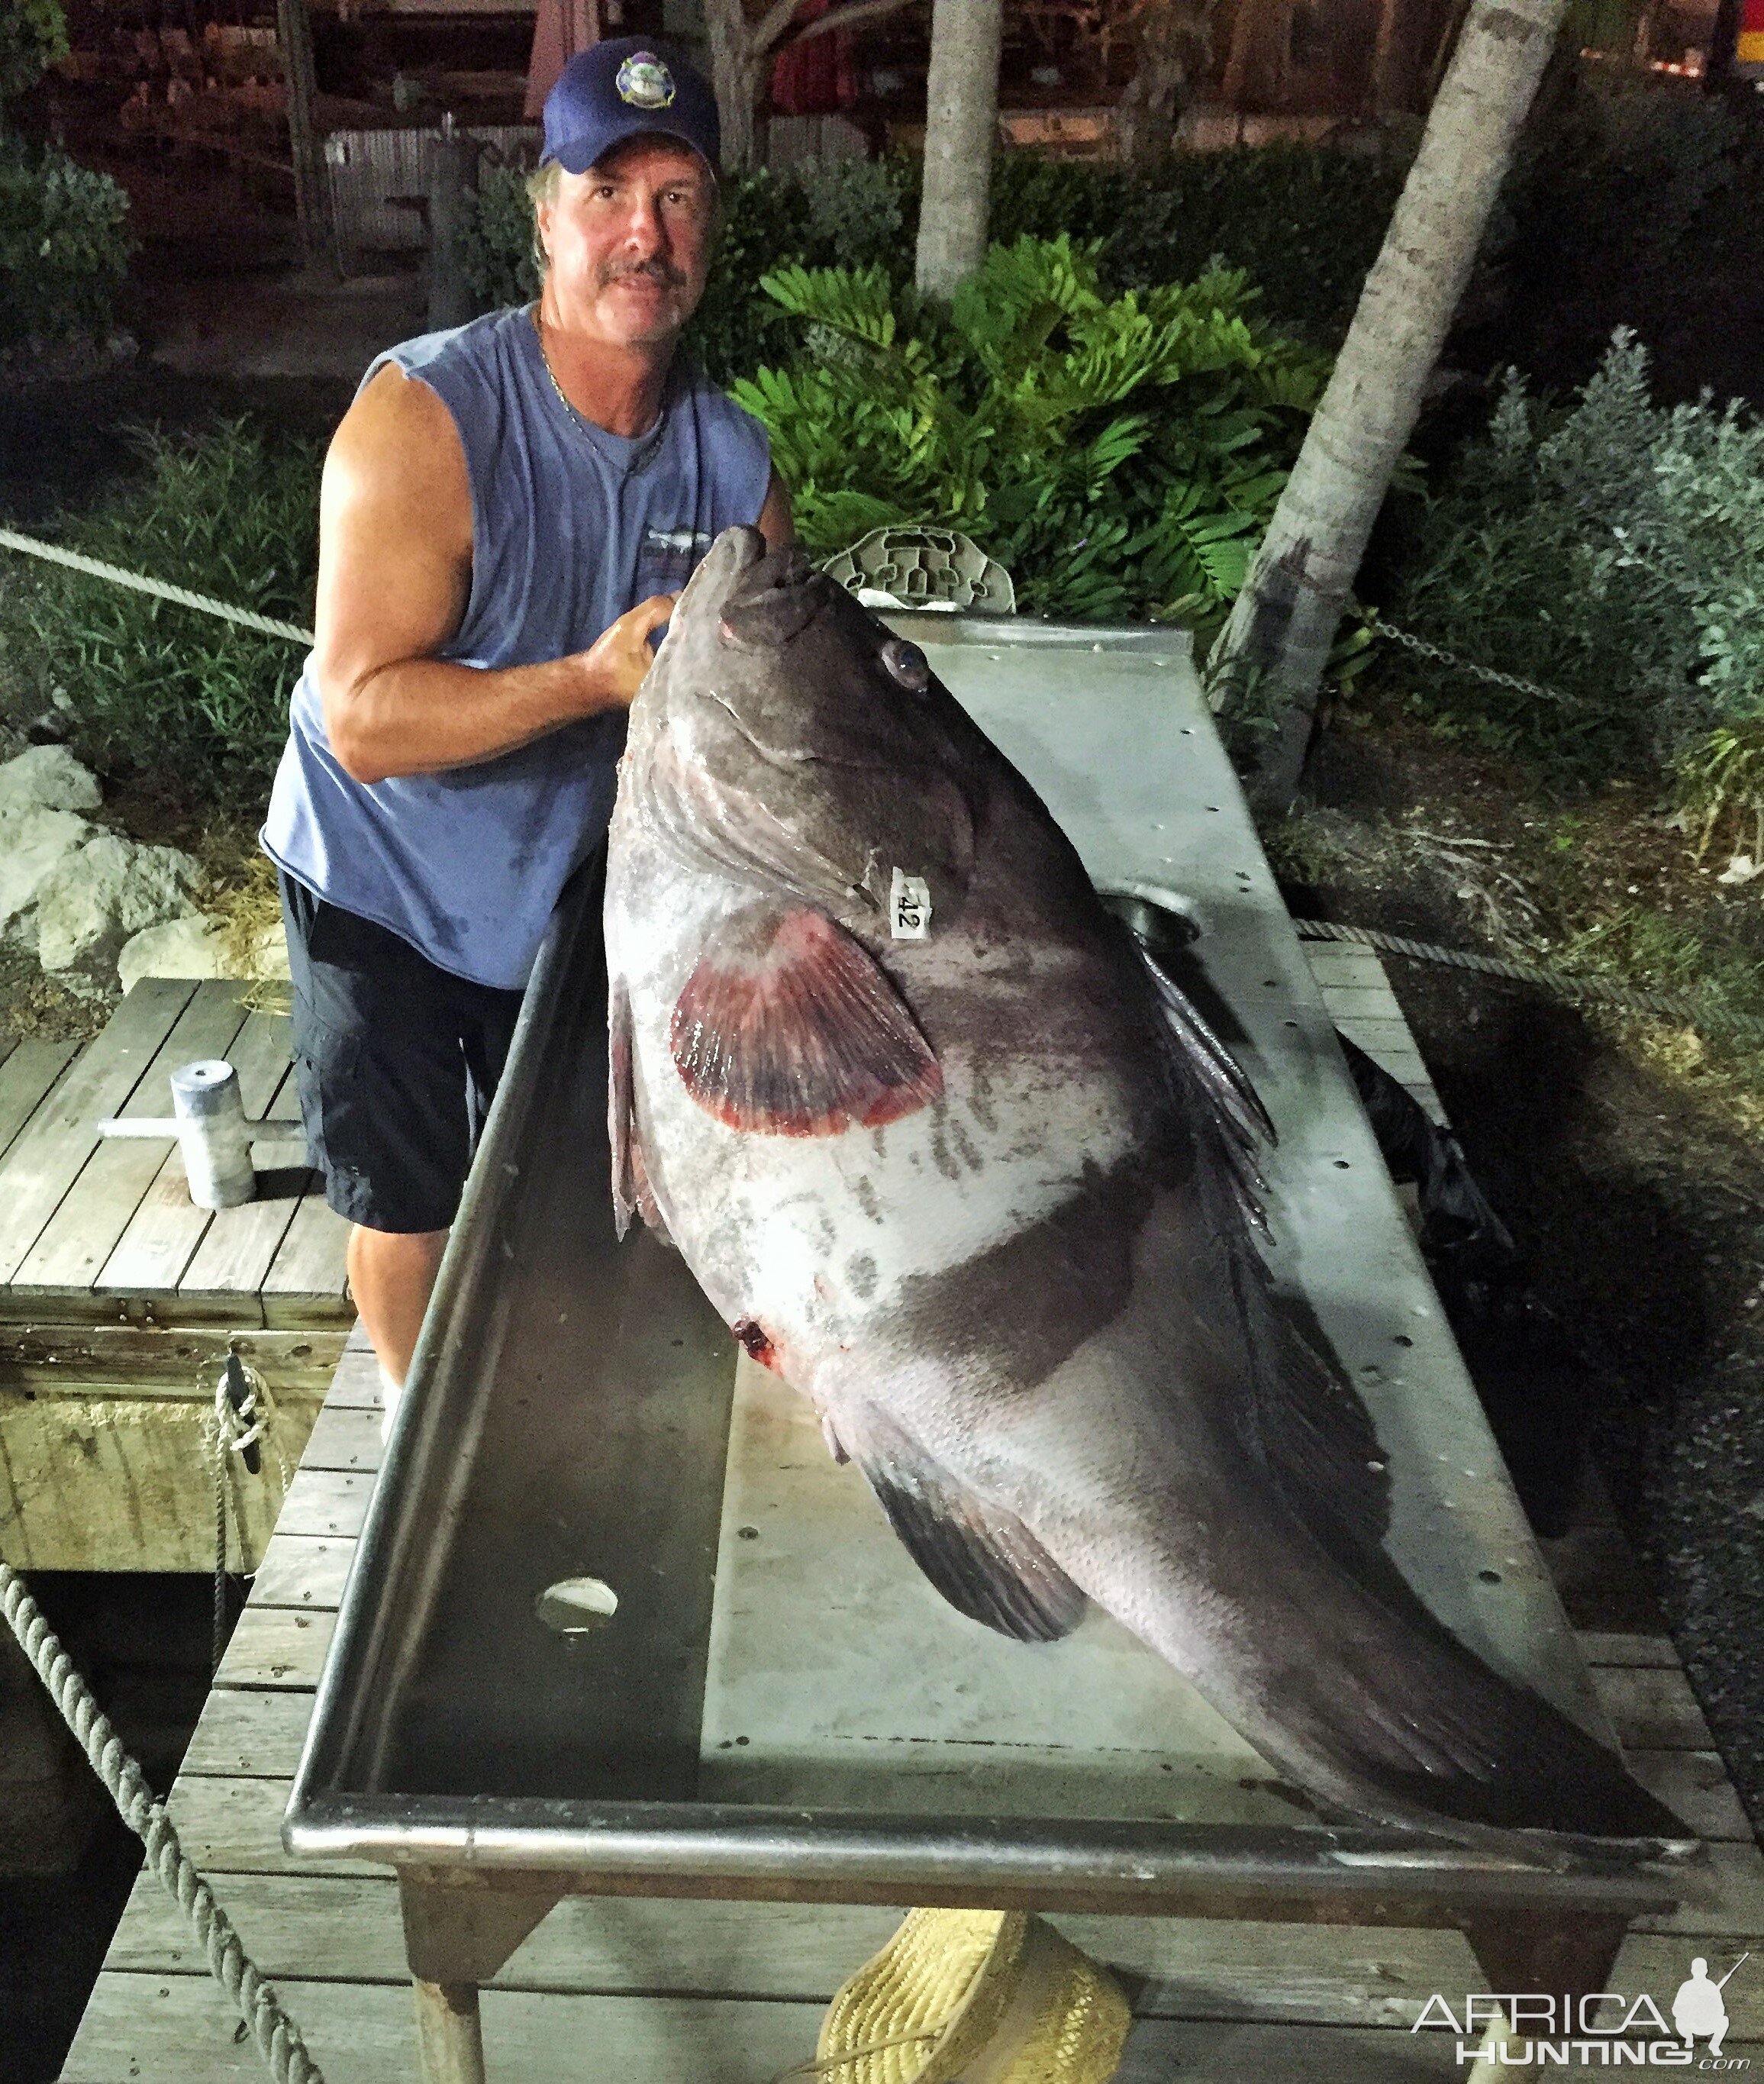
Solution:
(952, 1156)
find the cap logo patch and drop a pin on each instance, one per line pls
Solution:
(645, 82)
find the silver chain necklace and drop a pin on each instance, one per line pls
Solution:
(599, 436)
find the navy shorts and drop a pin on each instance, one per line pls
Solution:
(397, 1062)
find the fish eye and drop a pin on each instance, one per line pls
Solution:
(906, 664)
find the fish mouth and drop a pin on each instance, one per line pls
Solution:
(758, 599)
(734, 553)
(773, 598)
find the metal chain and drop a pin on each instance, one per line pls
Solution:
(276, 2036)
(204, 604)
(1671, 1005)
(1420, 644)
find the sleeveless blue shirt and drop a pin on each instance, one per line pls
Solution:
(570, 527)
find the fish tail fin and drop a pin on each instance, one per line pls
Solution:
(1375, 1704)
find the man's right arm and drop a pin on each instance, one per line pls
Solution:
(395, 571)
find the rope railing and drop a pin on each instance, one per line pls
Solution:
(75, 560)
(275, 2035)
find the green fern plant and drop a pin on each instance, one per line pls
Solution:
(1118, 455)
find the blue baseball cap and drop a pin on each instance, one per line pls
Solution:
(622, 89)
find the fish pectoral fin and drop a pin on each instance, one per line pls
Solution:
(984, 1559)
(788, 1026)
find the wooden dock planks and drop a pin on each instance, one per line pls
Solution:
(80, 1236)
(162, 1235)
(50, 1151)
(29, 1071)
(118, 1296)
(1364, 1007)
(97, 1231)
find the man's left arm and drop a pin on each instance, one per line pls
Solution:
(776, 522)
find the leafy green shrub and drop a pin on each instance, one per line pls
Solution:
(766, 225)
(862, 212)
(1622, 171)
(1120, 457)
(33, 35)
(1035, 197)
(161, 689)
(64, 244)
(495, 239)
(1305, 221)
(1610, 549)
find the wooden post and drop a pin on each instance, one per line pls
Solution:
(453, 177)
(1385, 83)
(450, 2037)
(293, 30)
(1245, 35)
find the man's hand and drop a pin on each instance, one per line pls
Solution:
(615, 665)
(395, 574)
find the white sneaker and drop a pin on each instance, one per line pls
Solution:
(389, 1393)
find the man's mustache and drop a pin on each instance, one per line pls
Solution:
(657, 270)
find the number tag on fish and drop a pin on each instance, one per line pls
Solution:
(909, 907)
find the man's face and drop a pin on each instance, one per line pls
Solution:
(629, 242)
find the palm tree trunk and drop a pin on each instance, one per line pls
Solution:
(736, 69)
(1285, 622)
(960, 115)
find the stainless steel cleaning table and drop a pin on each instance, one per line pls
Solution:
(780, 1707)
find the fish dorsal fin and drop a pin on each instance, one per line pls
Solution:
(1203, 1067)
(1305, 1421)
(1308, 1424)
(983, 1559)
(789, 1027)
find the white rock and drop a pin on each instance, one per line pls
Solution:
(186, 947)
(101, 897)
(34, 843)
(47, 777)
(271, 955)
(195, 947)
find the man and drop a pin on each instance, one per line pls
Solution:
(507, 512)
